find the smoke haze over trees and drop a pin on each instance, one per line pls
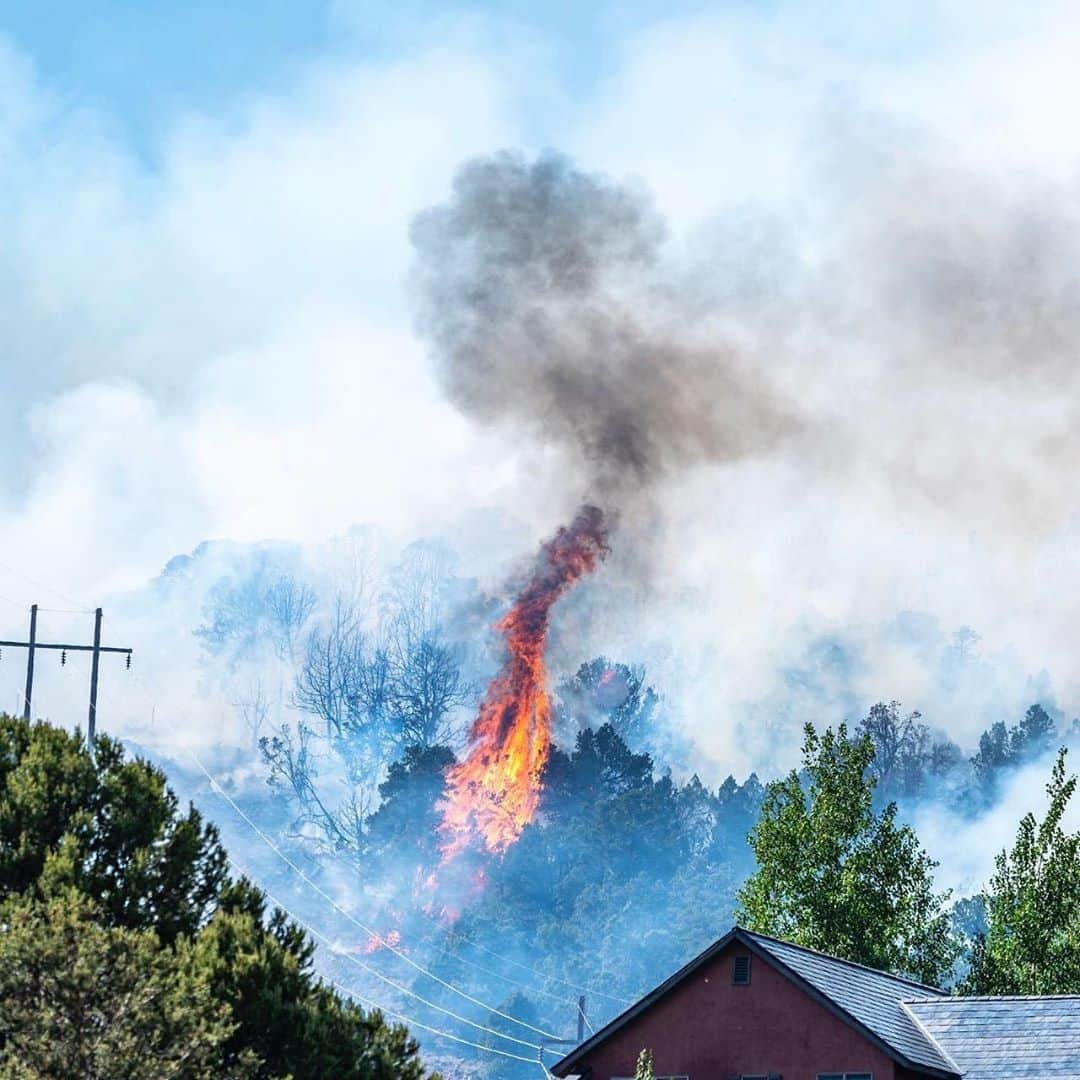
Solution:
(633, 841)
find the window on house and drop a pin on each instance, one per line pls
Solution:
(845, 1076)
(741, 971)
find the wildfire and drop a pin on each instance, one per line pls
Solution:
(391, 941)
(493, 794)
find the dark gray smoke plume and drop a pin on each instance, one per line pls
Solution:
(544, 293)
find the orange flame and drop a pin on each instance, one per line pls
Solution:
(390, 941)
(493, 794)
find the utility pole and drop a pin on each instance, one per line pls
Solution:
(91, 720)
(31, 645)
(545, 1042)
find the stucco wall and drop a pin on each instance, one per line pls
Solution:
(709, 1029)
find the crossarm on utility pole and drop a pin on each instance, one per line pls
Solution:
(65, 648)
(32, 645)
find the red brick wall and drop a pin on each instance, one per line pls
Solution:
(708, 1029)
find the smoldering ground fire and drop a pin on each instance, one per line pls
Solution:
(494, 792)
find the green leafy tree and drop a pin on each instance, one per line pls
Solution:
(836, 875)
(1031, 943)
(80, 998)
(406, 824)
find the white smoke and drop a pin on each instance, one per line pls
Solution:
(220, 346)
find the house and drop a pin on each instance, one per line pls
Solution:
(751, 1007)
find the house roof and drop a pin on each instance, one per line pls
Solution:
(867, 999)
(1005, 1038)
(873, 998)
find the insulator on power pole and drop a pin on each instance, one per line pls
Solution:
(63, 657)
(127, 663)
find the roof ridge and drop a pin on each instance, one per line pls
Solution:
(992, 997)
(936, 990)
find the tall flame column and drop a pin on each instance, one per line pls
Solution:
(494, 792)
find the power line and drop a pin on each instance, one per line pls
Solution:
(459, 935)
(371, 1004)
(319, 936)
(447, 951)
(513, 982)
(217, 788)
(48, 588)
(506, 978)
(391, 948)
(350, 992)
(540, 974)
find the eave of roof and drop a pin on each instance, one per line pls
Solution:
(747, 939)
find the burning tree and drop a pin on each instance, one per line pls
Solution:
(493, 794)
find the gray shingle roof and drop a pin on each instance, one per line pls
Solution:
(1008, 1038)
(874, 998)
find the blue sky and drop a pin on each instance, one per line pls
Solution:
(143, 64)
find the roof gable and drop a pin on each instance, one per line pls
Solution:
(1005, 1038)
(866, 999)
(872, 998)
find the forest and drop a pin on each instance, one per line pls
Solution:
(356, 701)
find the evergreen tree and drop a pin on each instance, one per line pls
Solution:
(128, 845)
(836, 875)
(81, 998)
(1002, 749)
(106, 882)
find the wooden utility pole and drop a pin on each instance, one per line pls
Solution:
(545, 1042)
(91, 721)
(31, 645)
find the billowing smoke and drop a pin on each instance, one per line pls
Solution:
(546, 296)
